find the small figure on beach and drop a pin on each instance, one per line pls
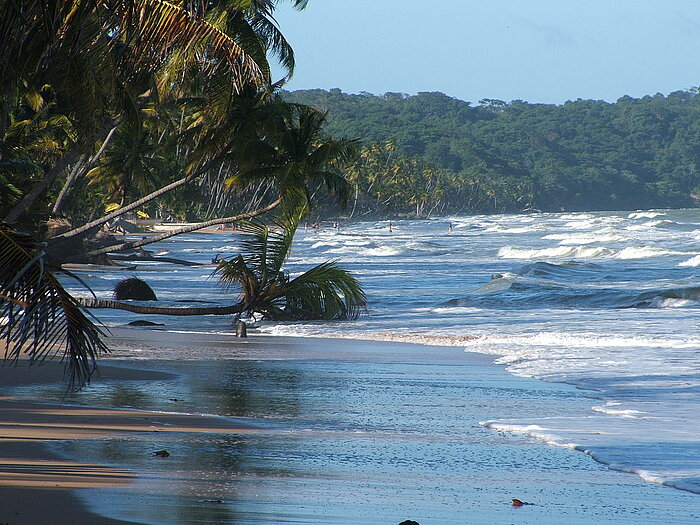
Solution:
(241, 329)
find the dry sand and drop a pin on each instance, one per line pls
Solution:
(35, 486)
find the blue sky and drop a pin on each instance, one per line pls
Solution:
(535, 50)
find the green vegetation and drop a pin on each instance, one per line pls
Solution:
(161, 108)
(431, 154)
(323, 292)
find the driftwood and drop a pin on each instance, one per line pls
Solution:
(136, 257)
(158, 310)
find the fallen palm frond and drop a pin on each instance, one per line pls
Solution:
(325, 292)
(39, 318)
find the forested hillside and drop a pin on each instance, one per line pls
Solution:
(430, 153)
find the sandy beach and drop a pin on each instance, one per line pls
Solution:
(305, 431)
(36, 486)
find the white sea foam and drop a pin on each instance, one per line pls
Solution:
(583, 238)
(693, 262)
(612, 408)
(502, 229)
(535, 431)
(324, 244)
(644, 214)
(559, 252)
(379, 251)
(644, 252)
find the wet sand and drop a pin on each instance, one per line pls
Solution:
(312, 431)
(36, 486)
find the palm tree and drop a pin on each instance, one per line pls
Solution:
(101, 57)
(323, 292)
(295, 155)
(272, 142)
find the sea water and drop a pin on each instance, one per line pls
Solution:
(608, 302)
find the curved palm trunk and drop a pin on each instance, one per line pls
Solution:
(143, 200)
(22, 206)
(80, 169)
(185, 229)
(158, 310)
(121, 211)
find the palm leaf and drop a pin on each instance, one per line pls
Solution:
(325, 292)
(40, 318)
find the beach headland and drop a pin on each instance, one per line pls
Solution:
(316, 431)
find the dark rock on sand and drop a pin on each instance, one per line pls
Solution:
(141, 322)
(134, 288)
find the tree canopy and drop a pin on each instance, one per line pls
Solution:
(430, 153)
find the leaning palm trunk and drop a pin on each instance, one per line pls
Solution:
(41, 186)
(158, 310)
(146, 199)
(185, 229)
(325, 292)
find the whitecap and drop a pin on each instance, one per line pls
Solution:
(559, 252)
(644, 215)
(611, 408)
(644, 252)
(693, 262)
(583, 238)
(535, 431)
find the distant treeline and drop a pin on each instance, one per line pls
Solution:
(433, 154)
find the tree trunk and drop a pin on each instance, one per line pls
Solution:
(121, 211)
(184, 229)
(41, 186)
(143, 200)
(156, 310)
(80, 170)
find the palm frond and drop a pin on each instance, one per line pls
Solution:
(325, 292)
(40, 318)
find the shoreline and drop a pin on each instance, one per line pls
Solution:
(288, 352)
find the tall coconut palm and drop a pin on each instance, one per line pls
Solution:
(97, 54)
(295, 155)
(323, 292)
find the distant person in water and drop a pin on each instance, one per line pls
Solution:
(449, 228)
(390, 226)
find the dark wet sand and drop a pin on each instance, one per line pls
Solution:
(319, 431)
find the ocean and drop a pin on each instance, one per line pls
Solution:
(606, 304)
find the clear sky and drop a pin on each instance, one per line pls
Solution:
(535, 50)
